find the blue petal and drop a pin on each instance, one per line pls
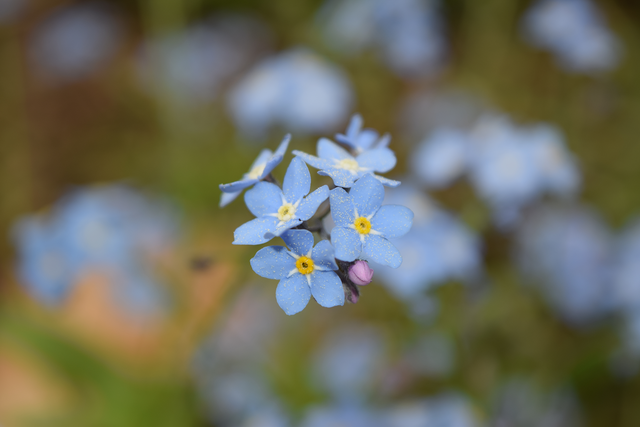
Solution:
(342, 209)
(293, 294)
(234, 187)
(326, 288)
(367, 195)
(262, 158)
(314, 161)
(341, 177)
(227, 198)
(366, 139)
(384, 141)
(354, 126)
(310, 204)
(278, 230)
(253, 232)
(331, 151)
(297, 181)
(392, 220)
(324, 256)
(382, 251)
(387, 182)
(277, 156)
(273, 262)
(379, 159)
(299, 241)
(264, 198)
(346, 242)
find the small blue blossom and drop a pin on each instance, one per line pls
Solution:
(361, 140)
(363, 224)
(567, 251)
(259, 170)
(447, 409)
(574, 30)
(296, 89)
(344, 169)
(279, 210)
(75, 41)
(442, 157)
(42, 266)
(302, 270)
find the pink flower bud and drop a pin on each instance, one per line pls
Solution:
(360, 273)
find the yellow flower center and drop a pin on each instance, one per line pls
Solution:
(286, 212)
(304, 265)
(257, 171)
(348, 164)
(362, 225)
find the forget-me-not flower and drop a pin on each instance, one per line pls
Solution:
(279, 210)
(344, 169)
(361, 140)
(76, 41)
(260, 169)
(362, 223)
(296, 89)
(302, 270)
(442, 157)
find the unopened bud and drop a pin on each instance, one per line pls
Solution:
(360, 273)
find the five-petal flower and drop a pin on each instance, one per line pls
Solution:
(361, 140)
(260, 169)
(363, 224)
(344, 169)
(302, 270)
(279, 210)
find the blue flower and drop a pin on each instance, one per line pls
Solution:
(279, 210)
(296, 89)
(76, 41)
(361, 140)
(303, 271)
(574, 30)
(567, 252)
(42, 267)
(442, 157)
(260, 169)
(345, 169)
(363, 224)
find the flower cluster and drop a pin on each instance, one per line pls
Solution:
(111, 230)
(330, 270)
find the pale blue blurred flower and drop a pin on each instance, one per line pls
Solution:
(279, 210)
(574, 30)
(343, 416)
(75, 41)
(260, 169)
(302, 270)
(566, 252)
(444, 410)
(112, 230)
(193, 65)
(345, 169)
(626, 269)
(42, 266)
(406, 34)
(295, 89)
(349, 361)
(363, 224)
(442, 157)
